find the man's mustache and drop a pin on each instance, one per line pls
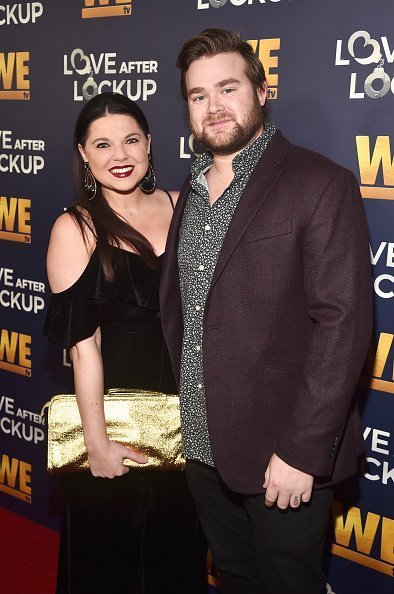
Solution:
(208, 120)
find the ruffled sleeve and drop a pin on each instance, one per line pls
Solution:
(73, 315)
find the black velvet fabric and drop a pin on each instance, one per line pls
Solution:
(92, 301)
(137, 534)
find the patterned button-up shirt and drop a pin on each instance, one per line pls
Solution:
(202, 233)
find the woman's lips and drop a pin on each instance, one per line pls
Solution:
(122, 171)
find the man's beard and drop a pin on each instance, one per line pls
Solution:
(227, 143)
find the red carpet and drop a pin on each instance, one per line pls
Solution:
(28, 556)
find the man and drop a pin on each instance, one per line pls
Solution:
(266, 307)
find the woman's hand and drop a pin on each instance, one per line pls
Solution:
(106, 460)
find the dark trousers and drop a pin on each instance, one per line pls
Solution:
(259, 550)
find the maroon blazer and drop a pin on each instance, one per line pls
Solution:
(287, 320)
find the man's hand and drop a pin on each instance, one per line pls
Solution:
(286, 485)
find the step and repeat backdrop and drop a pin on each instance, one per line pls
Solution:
(330, 68)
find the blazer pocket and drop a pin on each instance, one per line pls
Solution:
(273, 230)
(283, 366)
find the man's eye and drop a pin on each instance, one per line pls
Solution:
(198, 98)
(228, 91)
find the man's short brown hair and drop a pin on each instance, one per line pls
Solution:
(211, 42)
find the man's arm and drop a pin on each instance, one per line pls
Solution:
(338, 289)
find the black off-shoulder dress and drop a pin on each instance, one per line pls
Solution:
(136, 534)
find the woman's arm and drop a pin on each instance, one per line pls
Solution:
(105, 456)
(68, 256)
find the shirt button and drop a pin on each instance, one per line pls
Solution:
(207, 227)
(199, 386)
(201, 267)
(198, 307)
(198, 348)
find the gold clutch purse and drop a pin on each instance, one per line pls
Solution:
(146, 421)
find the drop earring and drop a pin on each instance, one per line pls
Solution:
(148, 182)
(90, 180)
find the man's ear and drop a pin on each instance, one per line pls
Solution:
(262, 93)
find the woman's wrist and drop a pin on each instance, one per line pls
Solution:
(96, 443)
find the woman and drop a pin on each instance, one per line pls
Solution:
(136, 533)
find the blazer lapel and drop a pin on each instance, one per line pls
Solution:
(173, 232)
(266, 173)
(170, 298)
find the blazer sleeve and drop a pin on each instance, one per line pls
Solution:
(338, 289)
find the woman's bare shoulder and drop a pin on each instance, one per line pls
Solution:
(69, 252)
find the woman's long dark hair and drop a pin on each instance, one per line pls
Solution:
(97, 215)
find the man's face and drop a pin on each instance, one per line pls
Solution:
(224, 107)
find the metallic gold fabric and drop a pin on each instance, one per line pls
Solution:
(146, 421)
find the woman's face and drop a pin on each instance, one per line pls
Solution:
(117, 151)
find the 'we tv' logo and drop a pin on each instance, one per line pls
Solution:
(15, 219)
(14, 75)
(371, 163)
(366, 539)
(264, 49)
(95, 9)
(15, 352)
(15, 478)
(380, 365)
